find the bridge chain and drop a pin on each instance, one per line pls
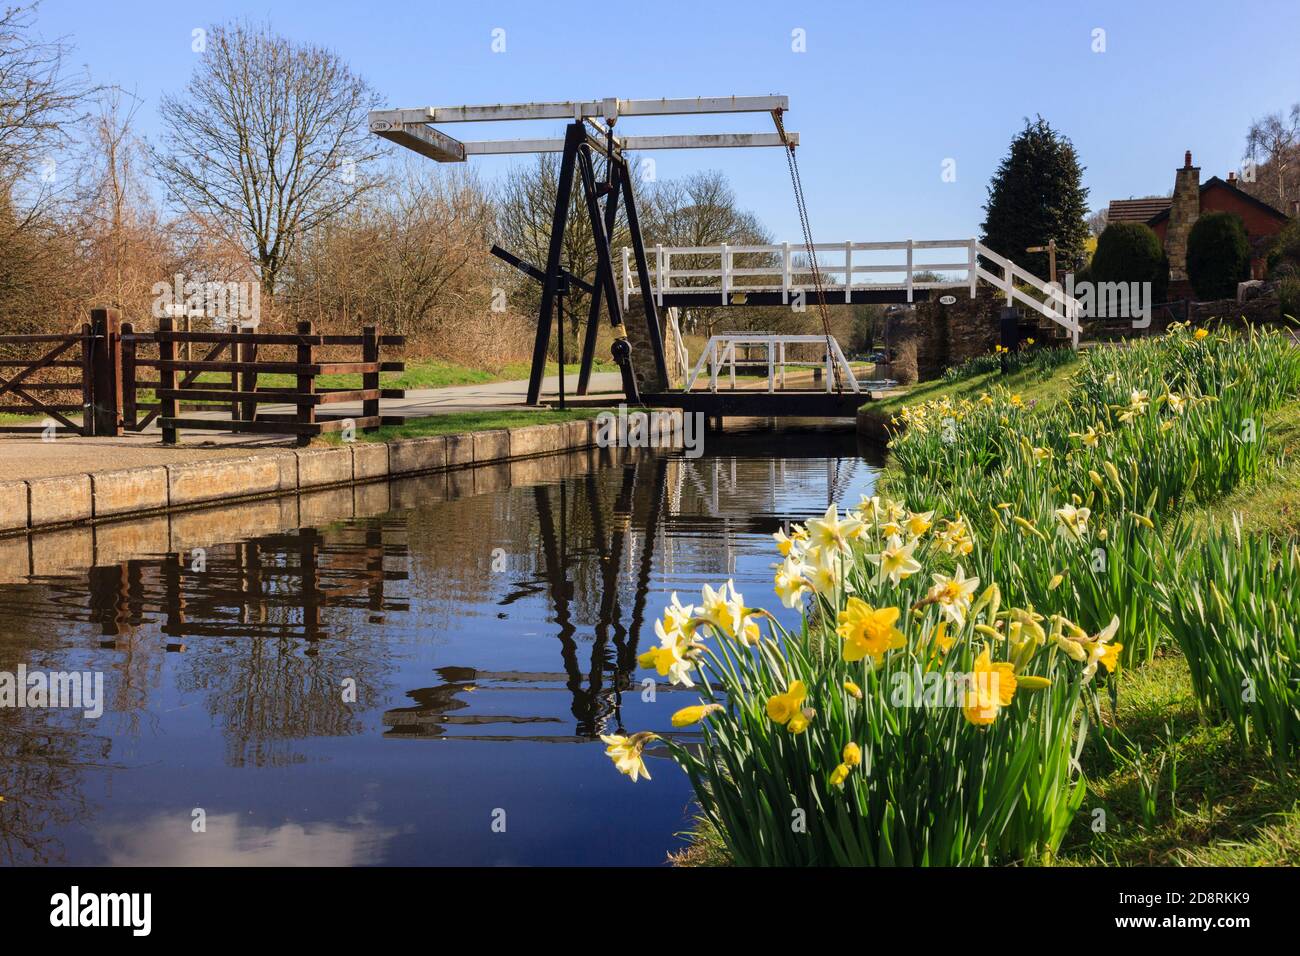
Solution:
(796, 181)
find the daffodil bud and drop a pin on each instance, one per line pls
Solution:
(1032, 684)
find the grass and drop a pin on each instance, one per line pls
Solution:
(1175, 788)
(1033, 384)
(457, 422)
(1271, 503)
(1177, 791)
(419, 374)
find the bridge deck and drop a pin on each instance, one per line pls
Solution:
(755, 404)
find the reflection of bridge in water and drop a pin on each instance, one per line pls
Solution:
(670, 507)
(271, 627)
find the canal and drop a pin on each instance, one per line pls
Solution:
(414, 673)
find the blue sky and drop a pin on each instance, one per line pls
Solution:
(883, 95)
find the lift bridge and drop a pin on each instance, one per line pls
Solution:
(794, 275)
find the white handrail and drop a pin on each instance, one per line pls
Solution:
(720, 353)
(789, 277)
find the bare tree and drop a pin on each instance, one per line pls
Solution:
(701, 210)
(39, 103)
(124, 246)
(413, 257)
(1273, 146)
(39, 100)
(1098, 220)
(271, 135)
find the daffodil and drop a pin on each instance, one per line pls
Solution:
(673, 658)
(919, 522)
(1101, 650)
(1090, 437)
(626, 752)
(868, 631)
(853, 689)
(895, 560)
(786, 543)
(800, 721)
(991, 686)
(1138, 401)
(825, 572)
(1072, 522)
(1200, 334)
(678, 617)
(953, 594)
(839, 775)
(829, 533)
(792, 582)
(723, 608)
(694, 714)
(788, 709)
(852, 755)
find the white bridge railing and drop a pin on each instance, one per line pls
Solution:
(720, 353)
(783, 268)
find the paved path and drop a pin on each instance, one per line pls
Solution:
(27, 456)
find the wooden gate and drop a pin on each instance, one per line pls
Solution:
(55, 384)
(193, 376)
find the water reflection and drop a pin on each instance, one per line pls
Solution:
(273, 651)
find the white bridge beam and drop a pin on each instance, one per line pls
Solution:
(700, 141)
(609, 109)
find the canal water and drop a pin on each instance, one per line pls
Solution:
(405, 674)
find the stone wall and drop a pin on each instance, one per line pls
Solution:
(643, 362)
(1261, 310)
(947, 335)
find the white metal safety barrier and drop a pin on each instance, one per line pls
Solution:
(783, 268)
(720, 353)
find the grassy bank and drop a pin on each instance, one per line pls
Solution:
(456, 422)
(1163, 448)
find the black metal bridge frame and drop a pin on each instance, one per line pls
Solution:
(579, 145)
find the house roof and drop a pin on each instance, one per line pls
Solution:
(1136, 210)
(1240, 194)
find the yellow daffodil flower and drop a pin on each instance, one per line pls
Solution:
(868, 631)
(829, 533)
(919, 522)
(953, 594)
(852, 754)
(992, 687)
(694, 714)
(626, 753)
(783, 708)
(895, 561)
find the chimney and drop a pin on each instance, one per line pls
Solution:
(1232, 177)
(1184, 210)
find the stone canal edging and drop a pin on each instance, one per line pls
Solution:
(875, 424)
(40, 503)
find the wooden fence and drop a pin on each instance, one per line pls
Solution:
(128, 380)
(39, 386)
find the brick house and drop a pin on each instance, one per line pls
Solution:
(1172, 217)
